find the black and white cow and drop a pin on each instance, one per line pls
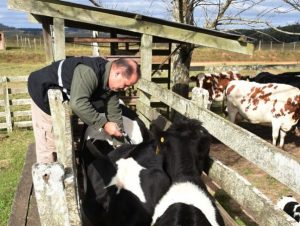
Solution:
(185, 147)
(291, 206)
(101, 162)
(124, 185)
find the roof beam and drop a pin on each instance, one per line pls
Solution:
(129, 22)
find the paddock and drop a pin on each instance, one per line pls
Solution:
(276, 163)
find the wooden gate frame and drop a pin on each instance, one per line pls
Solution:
(55, 184)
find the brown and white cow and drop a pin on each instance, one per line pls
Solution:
(216, 83)
(272, 103)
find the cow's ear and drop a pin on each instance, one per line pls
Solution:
(155, 130)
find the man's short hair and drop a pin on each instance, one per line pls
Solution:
(129, 69)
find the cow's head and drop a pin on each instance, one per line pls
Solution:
(220, 83)
(216, 83)
(185, 144)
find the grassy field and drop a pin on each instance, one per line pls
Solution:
(12, 152)
(21, 61)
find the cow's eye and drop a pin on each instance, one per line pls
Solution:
(162, 139)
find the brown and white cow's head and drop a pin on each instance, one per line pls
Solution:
(216, 83)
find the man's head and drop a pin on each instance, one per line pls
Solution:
(123, 74)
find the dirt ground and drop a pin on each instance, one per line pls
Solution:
(265, 183)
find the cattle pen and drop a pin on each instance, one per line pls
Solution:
(275, 162)
(60, 179)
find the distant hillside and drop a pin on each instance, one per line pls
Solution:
(5, 28)
(265, 35)
(270, 34)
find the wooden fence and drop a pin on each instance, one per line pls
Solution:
(14, 103)
(275, 162)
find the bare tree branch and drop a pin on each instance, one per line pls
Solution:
(294, 3)
(96, 3)
(282, 31)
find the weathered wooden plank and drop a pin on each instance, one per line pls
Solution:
(23, 78)
(115, 57)
(102, 39)
(146, 64)
(49, 192)
(21, 113)
(2, 114)
(262, 208)
(33, 218)
(21, 102)
(7, 105)
(48, 44)
(23, 124)
(108, 18)
(21, 201)
(18, 90)
(279, 164)
(152, 116)
(3, 125)
(17, 102)
(61, 117)
(212, 188)
(59, 38)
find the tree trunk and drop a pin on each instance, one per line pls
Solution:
(183, 13)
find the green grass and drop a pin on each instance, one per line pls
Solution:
(13, 149)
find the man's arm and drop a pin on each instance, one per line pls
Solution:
(114, 112)
(83, 85)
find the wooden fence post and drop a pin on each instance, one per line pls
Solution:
(63, 172)
(48, 180)
(7, 104)
(201, 97)
(61, 116)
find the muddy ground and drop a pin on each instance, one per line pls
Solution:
(265, 183)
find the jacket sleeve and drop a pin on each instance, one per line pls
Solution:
(114, 112)
(84, 83)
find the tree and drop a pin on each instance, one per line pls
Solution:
(218, 15)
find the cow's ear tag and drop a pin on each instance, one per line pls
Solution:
(208, 81)
(157, 151)
(162, 139)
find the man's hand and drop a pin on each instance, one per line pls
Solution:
(112, 129)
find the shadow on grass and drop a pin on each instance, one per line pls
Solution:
(13, 48)
(234, 209)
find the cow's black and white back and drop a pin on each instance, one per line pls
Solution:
(125, 185)
(185, 148)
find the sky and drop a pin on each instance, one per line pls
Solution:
(154, 8)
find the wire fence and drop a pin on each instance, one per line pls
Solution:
(290, 46)
(35, 42)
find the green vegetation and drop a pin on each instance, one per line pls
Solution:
(13, 149)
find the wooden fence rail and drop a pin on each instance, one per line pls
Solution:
(14, 103)
(280, 165)
(277, 163)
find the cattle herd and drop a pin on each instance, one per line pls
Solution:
(154, 179)
(264, 99)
